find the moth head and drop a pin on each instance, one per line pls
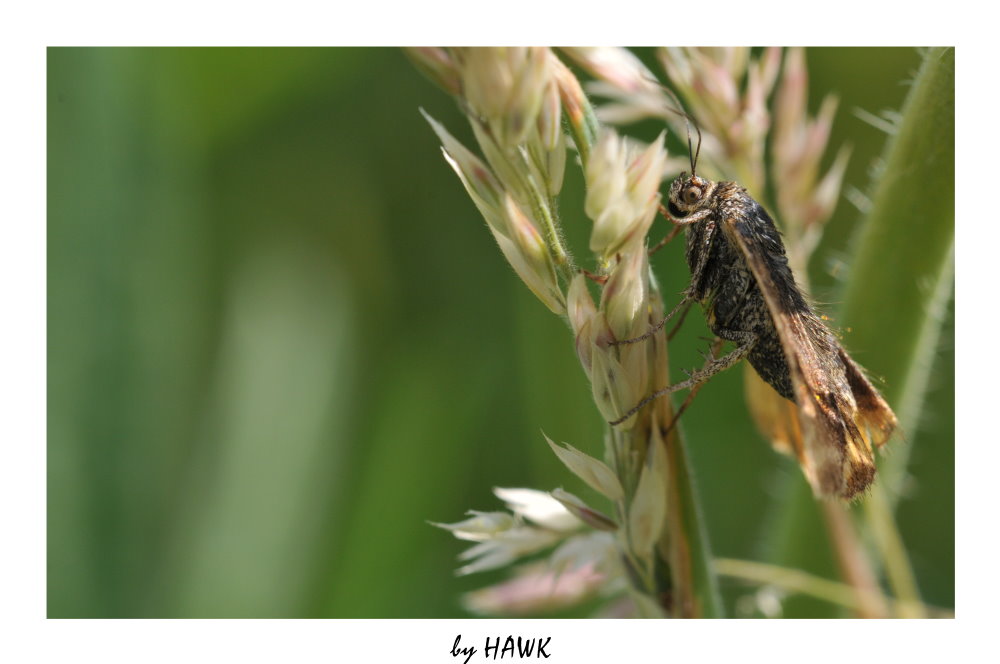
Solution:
(689, 193)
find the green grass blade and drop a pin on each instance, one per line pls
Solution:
(906, 251)
(896, 297)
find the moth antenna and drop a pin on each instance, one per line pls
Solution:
(697, 152)
(693, 152)
(691, 156)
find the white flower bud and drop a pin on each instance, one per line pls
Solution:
(528, 254)
(622, 191)
(605, 173)
(612, 386)
(483, 188)
(505, 548)
(584, 512)
(595, 473)
(594, 333)
(506, 86)
(624, 296)
(595, 550)
(556, 165)
(538, 507)
(480, 526)
(550, 116)
(645, 173)
(584, 345)
(618, 66)
(438, 65)
(579, 305)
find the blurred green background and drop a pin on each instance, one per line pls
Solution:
(281, 339)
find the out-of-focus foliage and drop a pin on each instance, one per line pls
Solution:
(281, 340)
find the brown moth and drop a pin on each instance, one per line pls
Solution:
(741, 278)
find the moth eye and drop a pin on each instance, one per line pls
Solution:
(692, 195)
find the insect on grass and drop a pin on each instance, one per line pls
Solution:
(741, 278)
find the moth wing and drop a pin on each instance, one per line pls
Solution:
(836, 456)
(874, 414)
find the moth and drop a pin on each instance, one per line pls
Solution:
(741, 278)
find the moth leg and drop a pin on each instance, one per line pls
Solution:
(690, 219)
(678, 226)
(716, 347)
(677, 327)
(715, 365)
(669, 236)
(685, 301)
(696, 378)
